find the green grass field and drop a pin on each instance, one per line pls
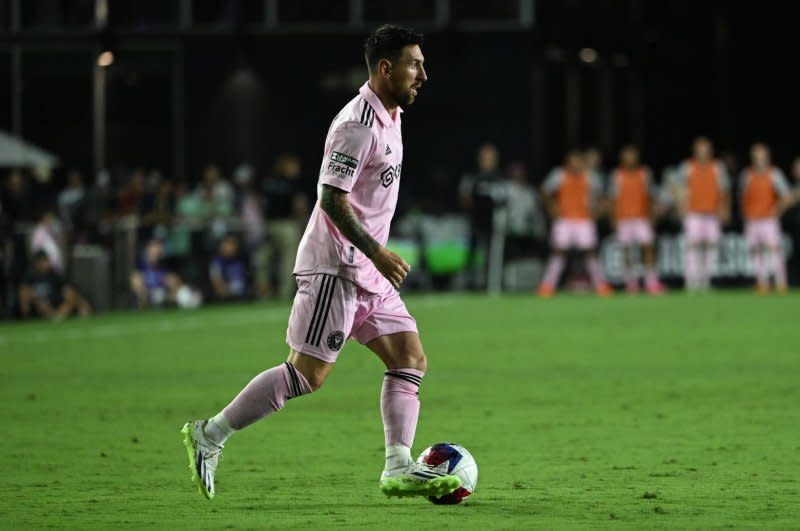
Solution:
(636, 413)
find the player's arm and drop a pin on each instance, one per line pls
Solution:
(336, 205)
(786, 198)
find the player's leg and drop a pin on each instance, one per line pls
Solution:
(774, 246)
(648, 253)
(693, 249)
(624, 237)
(391, 333)
(555, 264)
(586, 241)
(322, 302)
(712, 232)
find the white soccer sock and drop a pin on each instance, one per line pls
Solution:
(398, 459)
(218, 429)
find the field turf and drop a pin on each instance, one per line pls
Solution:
(629, 413)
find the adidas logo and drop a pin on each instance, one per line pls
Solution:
(388, 150)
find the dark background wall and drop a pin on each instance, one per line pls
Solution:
(719, 69)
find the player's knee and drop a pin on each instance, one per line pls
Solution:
(415, 359)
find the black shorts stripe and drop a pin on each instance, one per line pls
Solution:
(405, 376)
(318, 306)
(321, 324)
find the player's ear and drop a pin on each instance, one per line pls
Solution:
(385, 68)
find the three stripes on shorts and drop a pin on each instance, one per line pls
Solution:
(321, 310)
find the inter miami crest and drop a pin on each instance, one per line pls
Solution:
(335, 340)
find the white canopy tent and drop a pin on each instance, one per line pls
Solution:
(15, 152)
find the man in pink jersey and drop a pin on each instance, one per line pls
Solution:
(347, 280)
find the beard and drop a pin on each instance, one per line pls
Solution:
(404, 97)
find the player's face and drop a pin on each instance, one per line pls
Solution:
(760, 156)
(702, 150)
(576, 163)
(407, 75)
(630, 158)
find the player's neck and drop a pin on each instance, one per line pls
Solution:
(388, 102)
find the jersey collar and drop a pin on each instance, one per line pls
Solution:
(380, 111)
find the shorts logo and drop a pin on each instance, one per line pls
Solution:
(335, 340)
(389, 175)
(342, 164)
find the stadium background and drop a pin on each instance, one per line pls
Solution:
(230, 82)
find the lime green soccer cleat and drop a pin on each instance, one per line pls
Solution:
(203, 457)
(419, 480)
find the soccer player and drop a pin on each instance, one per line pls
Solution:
(347, 280)
(631, 192)
(571, 194)
(705, 204)
(764, 195)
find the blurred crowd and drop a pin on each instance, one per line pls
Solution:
(234, 237)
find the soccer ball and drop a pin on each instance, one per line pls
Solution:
(452, 459)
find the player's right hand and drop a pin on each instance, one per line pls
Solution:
(391, 266)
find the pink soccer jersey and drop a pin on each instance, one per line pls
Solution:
(363, 156)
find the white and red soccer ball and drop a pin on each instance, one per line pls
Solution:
(452, 459)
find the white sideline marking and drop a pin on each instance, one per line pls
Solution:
(162, 325)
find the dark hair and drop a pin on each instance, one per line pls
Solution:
(387, 42)
(40, 255)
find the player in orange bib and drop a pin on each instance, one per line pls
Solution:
(571, 194)
(764, 195)
(705, 205)
(631, 193)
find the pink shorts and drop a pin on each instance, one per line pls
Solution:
(634, 232)
(766, 232)
(328, 310)
(574, 234)
(701, 228)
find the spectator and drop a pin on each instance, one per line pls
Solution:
(101, 208)
(17, 199)
(215, 193)
(287, 212)
(44, 293)
(47, 237)
(151, 284)
(228, 272)
(132, 194)
(158, 209)
(251, 212)
(71, 200)
(480, 194)
(525, 221)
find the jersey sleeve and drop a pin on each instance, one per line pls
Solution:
(722, 177)
(553, 180)
(596, 185)
(780, 183)
(613, 188)
(348, 151)
(682, 174)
